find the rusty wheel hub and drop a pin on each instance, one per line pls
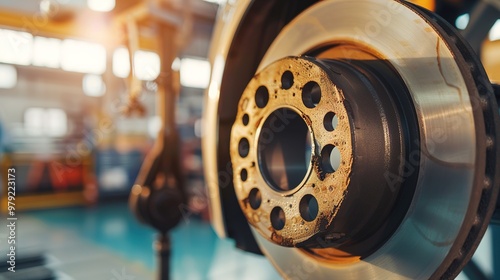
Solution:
(306, 138)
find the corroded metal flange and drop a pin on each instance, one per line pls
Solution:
(291, 144)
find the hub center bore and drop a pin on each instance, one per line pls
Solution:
(284, 149)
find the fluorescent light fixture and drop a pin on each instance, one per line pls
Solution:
(15, 47)
(83, 57)
(195, 72)
(101, 5)
(8, 76)
(495, 31)
(146, 65)
(93, 85)
(56, 124)
(121, 62)
(46, 52)
(49, 122)
(462, 21)
(34, 121)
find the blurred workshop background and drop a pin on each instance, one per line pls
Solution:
(68, 127)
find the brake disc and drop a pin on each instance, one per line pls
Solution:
(364, 147)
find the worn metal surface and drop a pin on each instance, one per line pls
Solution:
(328, 188)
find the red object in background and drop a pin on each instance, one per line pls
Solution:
(51, 175)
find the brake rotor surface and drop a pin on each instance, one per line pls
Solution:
(361, 143)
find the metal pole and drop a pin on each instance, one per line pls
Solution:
(163, 252)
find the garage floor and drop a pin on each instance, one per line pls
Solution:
(106, 242)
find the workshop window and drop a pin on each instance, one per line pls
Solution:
(83, 57)
(93, 85)
(195, 72)
(146, 64)
(45, 122)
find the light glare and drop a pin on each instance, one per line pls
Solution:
(33, 121)
(121, 62)
(462, 21)
(83, 57)
(46, 52)
(16, 47)
(495, 31)
(146, 65)
(101, 5)
(56, 125)
(195, 73)
(49, 122)
(93, 85)
(8, 76)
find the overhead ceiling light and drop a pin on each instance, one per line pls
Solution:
(49, 122)
(56, 122)
(83, 57)
(146, 65)
(16, 47)
(34, 121)
(195, 72)
(121, 62)
(93, 85)
(101, 5)
(8, 74)
(46, 52)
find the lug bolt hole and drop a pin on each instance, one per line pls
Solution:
(262, 97)
(255, 198)
(311, 94)
(330, 158)
(278, 218)
(287, 80)
(243, 147)
(308, 208)
(244, 175)
(330, 121)
(245, 119)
